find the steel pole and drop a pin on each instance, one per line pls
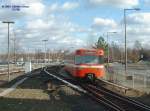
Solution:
(8, 56)
(8, 53)
(108, 46)
(28, 55)
(14, 40)
(45, 52)
(125, 35)
(14, 50)
(107, 50)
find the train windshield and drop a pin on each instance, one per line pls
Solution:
(88, 59)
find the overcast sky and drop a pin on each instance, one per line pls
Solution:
(73, 23)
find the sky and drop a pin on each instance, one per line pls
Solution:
(69, 24)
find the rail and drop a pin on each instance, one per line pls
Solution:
(127, 103)
(115, 85)
(104, 96)
(66, 82)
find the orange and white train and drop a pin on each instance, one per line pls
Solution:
(86, 63)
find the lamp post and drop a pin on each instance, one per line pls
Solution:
(8, 53)
(108, 46)
(14, 46)
(45, 49)
(125, 34)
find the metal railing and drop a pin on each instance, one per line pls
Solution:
(137, 78)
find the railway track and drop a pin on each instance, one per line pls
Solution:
(113, 101)
(123, 98)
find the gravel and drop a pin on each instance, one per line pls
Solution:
(42, 93)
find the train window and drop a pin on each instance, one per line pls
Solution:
(101, 59)
(88, 59)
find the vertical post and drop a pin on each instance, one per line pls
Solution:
(14, 50)
(125, 31)
(45, 50)
(28, 54)
(125, 27)
(112, 53)
(49, 56)
(14, 40)
(8, 56)
(108, 47)
(107, 51)
(120, 56)
(8, 53)
(145, 80)
(133, 81)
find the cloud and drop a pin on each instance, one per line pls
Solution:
(59, 33)
(37, 24)
(102, 23)
(139, 19)
(6, 14)
(114, 3)
(4, 30)
(36, 8)
(25, 2)
(146, 2)
(71, 41)
(67, 6)
(138, 27)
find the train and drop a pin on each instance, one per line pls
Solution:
(85, 64)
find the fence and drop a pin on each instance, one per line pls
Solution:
(135, 78)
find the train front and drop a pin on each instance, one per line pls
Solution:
(89, 64)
